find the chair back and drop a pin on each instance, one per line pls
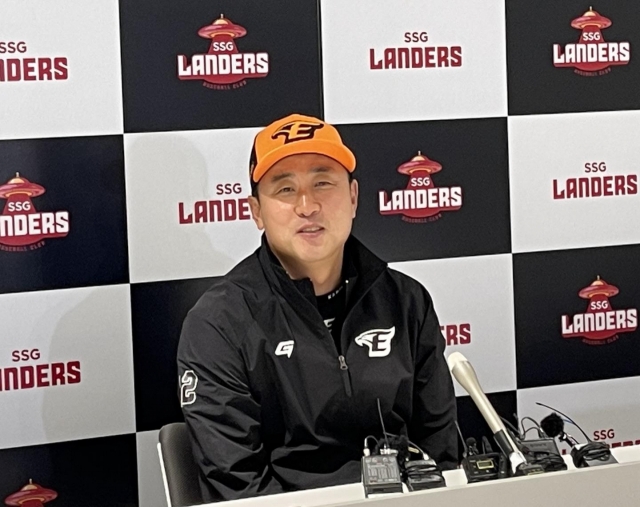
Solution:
(179, 470)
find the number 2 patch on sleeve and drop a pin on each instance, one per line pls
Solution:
(188, 383)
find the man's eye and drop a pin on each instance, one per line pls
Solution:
(285, 190)
(323, 183)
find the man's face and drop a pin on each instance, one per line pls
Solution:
(306, 207)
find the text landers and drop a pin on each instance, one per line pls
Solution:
(421, 201)
(21, 68)
(217, 210)
(601, 323)
(31, 376)
(21, 225)
(591, 55)
(595, 185)
(456, 334)
(415, 57)
(223, 67)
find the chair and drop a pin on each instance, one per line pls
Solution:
(179, 470)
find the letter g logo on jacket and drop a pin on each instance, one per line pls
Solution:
(285, 348)
(378, 341)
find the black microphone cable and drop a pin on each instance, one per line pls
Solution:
(386, 449)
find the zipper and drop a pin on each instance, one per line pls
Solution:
(345, 375)
(344, 368)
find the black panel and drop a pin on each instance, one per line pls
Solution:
(98, 472)
(473, 425)
(155, 32)
(83, 178)
(546, 288)
(473, 156)
(537, 86)
(158, 310)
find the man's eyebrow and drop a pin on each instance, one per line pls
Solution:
(282, 176)
(321, 169)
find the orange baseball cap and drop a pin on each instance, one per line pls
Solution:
(293, 135)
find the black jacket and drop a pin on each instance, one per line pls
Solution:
(272, 407)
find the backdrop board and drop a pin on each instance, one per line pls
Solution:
(497, 147)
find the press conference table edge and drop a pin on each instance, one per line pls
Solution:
(617, 484)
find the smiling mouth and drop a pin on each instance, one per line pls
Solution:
(311, 229)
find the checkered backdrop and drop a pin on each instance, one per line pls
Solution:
(125, 133)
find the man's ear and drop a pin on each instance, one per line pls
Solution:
(256, 212)
(354, 190)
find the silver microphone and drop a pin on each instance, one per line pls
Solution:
(466, 376)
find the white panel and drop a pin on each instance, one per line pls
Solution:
(150, 486)
(605, 408)
(544, 149)
(89, 326)
(477, 291)
(356, 93)
(88, 101)
(166, 169)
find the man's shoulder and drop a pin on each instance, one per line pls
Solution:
(407, 285)
(231, 295)
(369, 262)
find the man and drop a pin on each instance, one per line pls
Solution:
(282, 360)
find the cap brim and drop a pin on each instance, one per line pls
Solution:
(338, 152)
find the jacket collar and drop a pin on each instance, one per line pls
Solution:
(360, 268)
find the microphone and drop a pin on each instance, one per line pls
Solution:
(584, 455)
(466, 376)
(553, 426)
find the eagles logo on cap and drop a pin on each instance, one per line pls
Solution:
(293, 135)
(297, 131)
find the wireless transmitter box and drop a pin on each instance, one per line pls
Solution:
(381, 474)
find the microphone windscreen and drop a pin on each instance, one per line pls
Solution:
(454, 359)
(552, 425)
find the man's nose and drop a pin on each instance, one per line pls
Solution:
(306, 204)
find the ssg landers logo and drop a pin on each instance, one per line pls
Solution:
(595, 185)
(17, 67)
(601, 324)
(591, 56)
(31, 495)
(415, 56)
(43, 374)
(223, 67)
(421, 201)
(21, 226)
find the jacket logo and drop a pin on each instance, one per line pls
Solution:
(285, 348)
(297, 131)
(378, 341)
(188, 384)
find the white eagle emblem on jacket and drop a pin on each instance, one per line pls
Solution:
(378, 341)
